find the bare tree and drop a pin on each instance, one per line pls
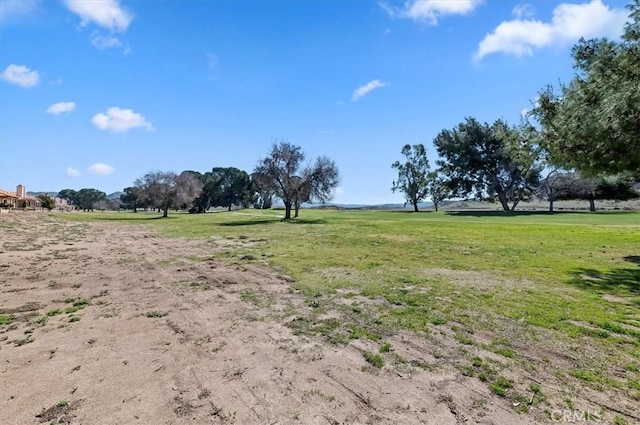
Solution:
(284, 172)
(166, 189)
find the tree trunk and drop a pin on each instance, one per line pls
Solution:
(287, 210)
(592, 204)
(502, 197)
(229, 207)
(415, 205)
(551, 205)
(504, 202)
(515, 204)
(297, 210)
(165, 212)
(435, 205)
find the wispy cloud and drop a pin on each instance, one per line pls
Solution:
(105, 13)
(61, 108)
(102, 42)
(431, 11)
(100, 169)
(120, 120)
(17, 8)
(520, 36)
(72, 172)
(20, 75)
(366, 89)
(523, 10)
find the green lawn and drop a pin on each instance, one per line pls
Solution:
(576, 275)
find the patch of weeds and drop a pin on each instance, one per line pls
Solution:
(569, 403)
(73, 318)
(62, 403)
(464, 339)
(54, 312)
(156, 313)
(250, 296)
(6, 319)
(77, 285)
(619, 420)
(40, 321)
(500, 386)
(357, 332)
(71, 310)
(585, 375)
(20, 342)
(81, 302)
(437, 320)
(507, 352)
(503, 347)
(385, 348)
(538, 395)
(374, 360)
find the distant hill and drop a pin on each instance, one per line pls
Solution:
(114, 195)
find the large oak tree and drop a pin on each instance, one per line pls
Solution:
(489, 161)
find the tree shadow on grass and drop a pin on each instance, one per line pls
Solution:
(135, 218)
(269, 221)
(481, 213)
(498, 213)
(613, 281)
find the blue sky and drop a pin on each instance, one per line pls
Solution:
(95, 93)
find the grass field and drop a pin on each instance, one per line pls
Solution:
(528, 279)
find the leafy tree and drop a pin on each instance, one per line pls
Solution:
(85, 199)
(68, 194)
(230, 186)
(593, 124)
(438, 189)
(284, 172)
(413, 175)
(489, 161)
(131, 198)
(166, 189)
(47, 201)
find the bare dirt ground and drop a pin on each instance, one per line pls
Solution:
(116, 325)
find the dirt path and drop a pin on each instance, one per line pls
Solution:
(165, 333)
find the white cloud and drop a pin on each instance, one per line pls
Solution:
(14, 8)
(120, 120)
(519, 37)
(72, 172)
(105, 13)
(61, 108)
(100, 169)
(430, 11)
(101, 42)
(366, 89)
(20, 75)
(524, 10)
